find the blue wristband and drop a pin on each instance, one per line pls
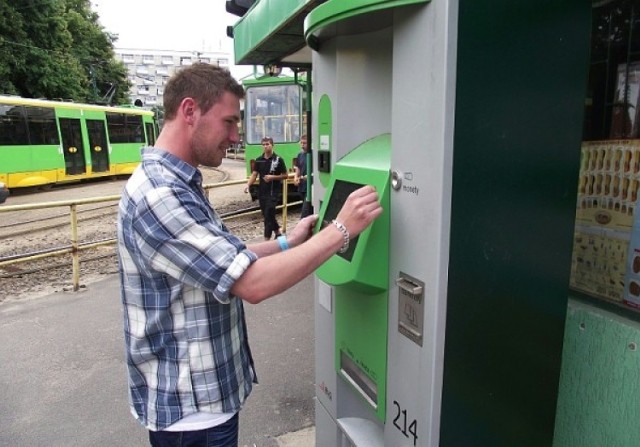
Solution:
(282, 241)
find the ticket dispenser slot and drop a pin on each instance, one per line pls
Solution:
(360, 275)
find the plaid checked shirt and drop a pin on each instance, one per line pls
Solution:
(186, 336)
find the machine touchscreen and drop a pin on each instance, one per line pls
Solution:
(339, 194)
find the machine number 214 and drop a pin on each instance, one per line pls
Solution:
(400, 422)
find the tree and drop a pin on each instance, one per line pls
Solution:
(94, 48)
(57, 49)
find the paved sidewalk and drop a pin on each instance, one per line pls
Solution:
(63, 377)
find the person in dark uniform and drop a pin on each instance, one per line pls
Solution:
(301, 179)
(272, 170)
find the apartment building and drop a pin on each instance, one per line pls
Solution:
(149, 70)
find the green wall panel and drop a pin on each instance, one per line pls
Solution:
(521, 81)
(599, 386)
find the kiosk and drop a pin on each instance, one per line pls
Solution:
(444, 324)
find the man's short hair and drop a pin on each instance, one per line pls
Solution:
(205, 83)
(267, 140)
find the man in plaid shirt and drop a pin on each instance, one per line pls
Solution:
(184, 277)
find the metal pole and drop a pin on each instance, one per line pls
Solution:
(285, 193)
(75, 253)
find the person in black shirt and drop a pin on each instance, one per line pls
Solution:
(272, 170)
(301, 179)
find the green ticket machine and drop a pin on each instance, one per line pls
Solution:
(359, 276)
(442, 325)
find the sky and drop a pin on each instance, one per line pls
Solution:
(184, 25)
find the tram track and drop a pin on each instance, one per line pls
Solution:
(36, 232)
(55, 272)
(82, 245)
(112, 211)
(32, 226)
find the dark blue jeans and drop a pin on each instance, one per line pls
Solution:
(225, 435)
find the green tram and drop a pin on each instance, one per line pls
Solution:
(48, 142)
(274, 107)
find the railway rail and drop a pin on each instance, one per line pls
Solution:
(39, 235)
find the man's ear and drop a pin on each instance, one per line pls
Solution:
(188, 110)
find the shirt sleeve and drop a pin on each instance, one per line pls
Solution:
(282, 167)
(180, 237)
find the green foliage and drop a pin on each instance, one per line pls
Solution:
(56, 49)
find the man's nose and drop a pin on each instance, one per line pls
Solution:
(234, 136)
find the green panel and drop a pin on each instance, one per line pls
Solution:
(599, 386)
(272, 29)
(520, 89)
(361, 284)
(361, 334)
(325, 134)
(94, 115)
(125, 152)
(271, 80)
(337, 10)
(30, 158)
(367, 270)
(65, 112)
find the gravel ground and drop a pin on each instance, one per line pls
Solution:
(51, 275)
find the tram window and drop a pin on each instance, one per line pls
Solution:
(42, 125)
(13, 126)
(273, 111)
(125, 128)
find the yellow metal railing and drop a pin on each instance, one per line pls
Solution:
(76, 246)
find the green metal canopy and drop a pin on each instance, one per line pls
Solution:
(272, 31)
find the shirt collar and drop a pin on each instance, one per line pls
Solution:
(182, 170)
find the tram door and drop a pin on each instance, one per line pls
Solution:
(98, 143)
(72, 146)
